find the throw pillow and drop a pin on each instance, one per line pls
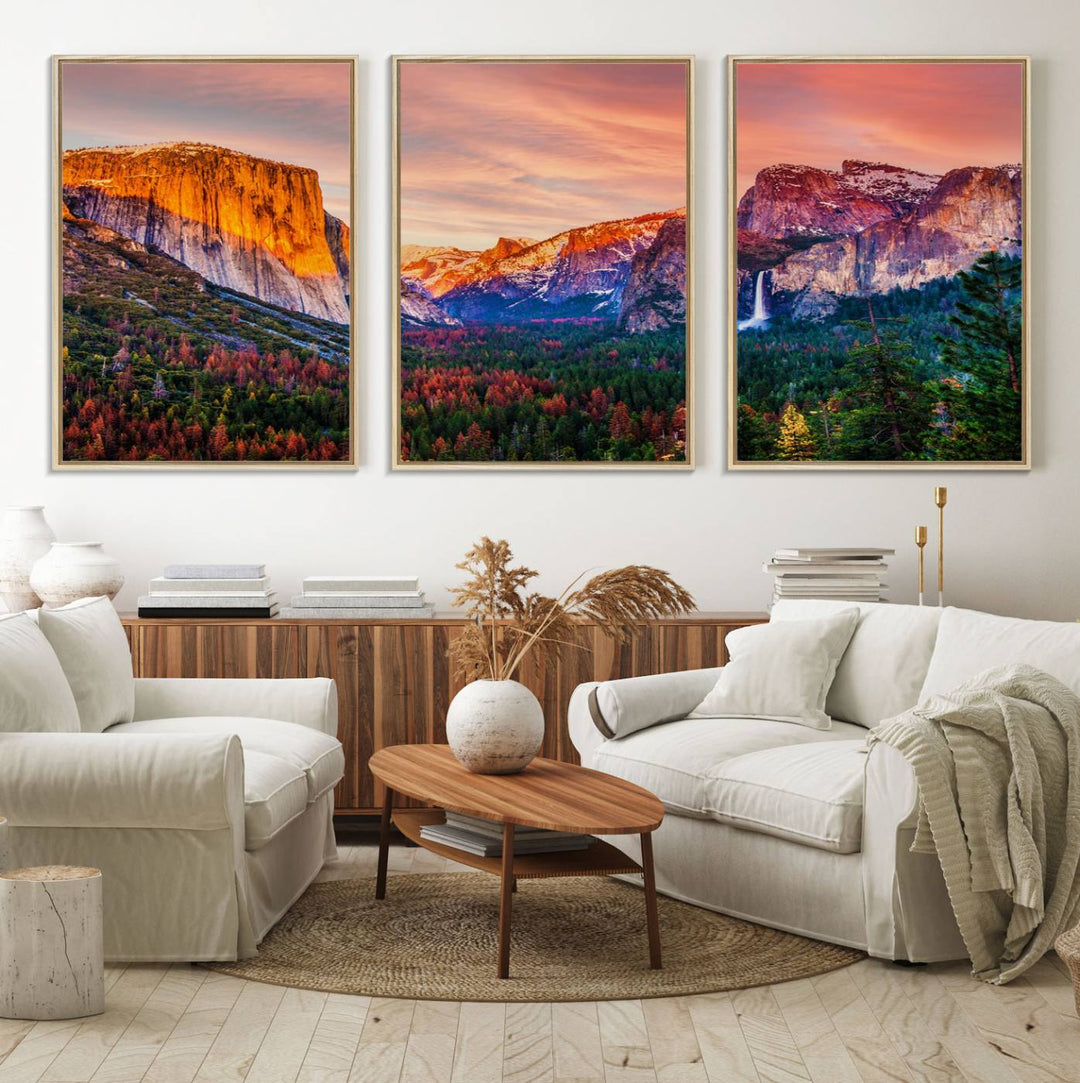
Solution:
(34, 694)
(90, 642)
(781, 671)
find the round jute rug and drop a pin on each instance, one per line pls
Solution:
(434, 937)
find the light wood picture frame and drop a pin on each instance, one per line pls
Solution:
(543, 255)
(879, 263)
(204, 262)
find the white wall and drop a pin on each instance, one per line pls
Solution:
(1013, 538)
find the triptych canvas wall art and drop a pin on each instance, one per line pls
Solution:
(542, 225)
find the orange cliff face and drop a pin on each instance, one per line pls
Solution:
(246, 223)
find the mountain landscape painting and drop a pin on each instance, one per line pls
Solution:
(542, 272)
(204, 283)
(878, 287)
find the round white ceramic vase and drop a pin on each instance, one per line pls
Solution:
(495, 727)
(74, 570)
(24, 538)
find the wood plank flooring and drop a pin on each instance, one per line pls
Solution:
(872, 1021)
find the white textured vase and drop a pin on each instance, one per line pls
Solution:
(24, 538)
(74, 570)
(495, 727)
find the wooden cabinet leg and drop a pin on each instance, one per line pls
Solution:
(505, 900)
(651, 914)
(384, 843)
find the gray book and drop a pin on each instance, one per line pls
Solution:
(228, 586)
(219, 601)
(380, 583)
(309, 612)
(365, 600)
(215, 571)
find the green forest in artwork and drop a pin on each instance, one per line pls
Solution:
(911, 375)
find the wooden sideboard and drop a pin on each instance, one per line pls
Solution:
(393, 677)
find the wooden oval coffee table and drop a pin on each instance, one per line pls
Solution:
(547, 794)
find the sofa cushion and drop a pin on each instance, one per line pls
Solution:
(680, 760)
(970, 642)
(629, 704)
(885, 663)
(781, 671)
(317, 754)
(808, 793)
(34, 693)
(275, 793)
(90, 642)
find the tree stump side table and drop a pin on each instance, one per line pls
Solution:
(52, 954)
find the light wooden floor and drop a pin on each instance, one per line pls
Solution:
(871, 1021)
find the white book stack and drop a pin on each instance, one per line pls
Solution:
(210, 590)
(849, 575)
(360, 597)
(484, 837)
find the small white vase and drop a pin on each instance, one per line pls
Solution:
(495, 727)
(24, 538)
(74, 570)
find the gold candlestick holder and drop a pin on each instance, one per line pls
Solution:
(920, 541)
(941, 495)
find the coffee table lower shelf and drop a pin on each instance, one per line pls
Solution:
(600, 859)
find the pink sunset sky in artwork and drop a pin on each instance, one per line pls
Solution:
(492, 149)
(297, 112)
(931, 117)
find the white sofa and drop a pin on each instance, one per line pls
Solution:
(207, 804)
(804, 829)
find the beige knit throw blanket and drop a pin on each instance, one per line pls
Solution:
(998, 767)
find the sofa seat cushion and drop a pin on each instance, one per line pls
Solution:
(807, 793)
(317, 754)
(681, 761)
(275, 793)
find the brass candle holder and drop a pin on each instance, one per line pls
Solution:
(941, 495)
(920, 541)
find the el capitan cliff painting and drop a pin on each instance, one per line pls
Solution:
(205, 255)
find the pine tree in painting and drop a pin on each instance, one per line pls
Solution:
(981, 414)
(795, 442)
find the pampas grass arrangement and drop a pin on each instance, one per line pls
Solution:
(508, 623)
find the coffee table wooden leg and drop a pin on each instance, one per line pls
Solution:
(651, 915)
(384, 843)
(505, 900)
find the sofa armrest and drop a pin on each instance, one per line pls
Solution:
(191, 782)
(625, 706)
(310, 701)
(584, 735)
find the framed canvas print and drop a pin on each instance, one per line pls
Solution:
(878, 263)
(204, 255)
(542, 272)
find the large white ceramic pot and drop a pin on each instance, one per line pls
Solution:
(74, 570)
(25, 537)
(495, 727)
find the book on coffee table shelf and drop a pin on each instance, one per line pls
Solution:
(484, 837)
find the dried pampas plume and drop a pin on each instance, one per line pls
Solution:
(508, 623)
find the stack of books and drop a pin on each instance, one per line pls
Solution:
(850, 575)
(210, 590)
(360, 597)
(484, 837)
